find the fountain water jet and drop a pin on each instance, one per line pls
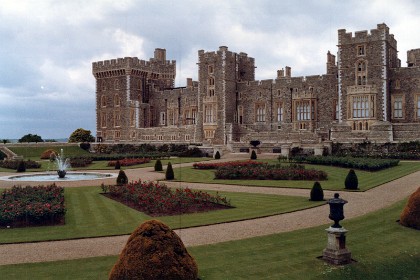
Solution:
(62, 164)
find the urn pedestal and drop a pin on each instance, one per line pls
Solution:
(336, 251)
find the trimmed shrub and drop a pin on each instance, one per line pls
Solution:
(317, 194)
(117, 165)
(122, 179)
(21, 167)
(217, 155)
(253, 155)
(85, 146)
(169, 175)
(49, 154)
(154, 251)
(410, 217)
(351, 182)
(158, 165)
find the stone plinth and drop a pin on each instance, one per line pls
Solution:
(336, 251)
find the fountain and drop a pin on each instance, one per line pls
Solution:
(62, 164)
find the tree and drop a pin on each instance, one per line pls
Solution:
(351, 182)
(255, 143)
(317, 194)
(81, 135)
(253, 154)
(30, 138)
(158, 165)
(169, 175)
(122, 178)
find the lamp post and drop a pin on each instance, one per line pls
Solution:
(336, 251)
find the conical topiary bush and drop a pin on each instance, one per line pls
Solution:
(122, 178)
(169, 175)
(21, 166)
(117, 165)
(217, 155)
(317, 194)
(253, 154)
(351, 182)
(158, 165)
(410, 217)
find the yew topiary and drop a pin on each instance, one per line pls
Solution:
(158, 165)
(410, 217)
(154, 251)
(351, 182)
(122, 178)
(253, 154)
(169, 175)
(317, 194)
(217, 155)
(117, 165)
(21, 166)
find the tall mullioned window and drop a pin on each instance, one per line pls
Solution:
(418, 106)
(209, 114)
(279, 112)
(362, 106)
(305, 111)
(260, 112)
(398, 107)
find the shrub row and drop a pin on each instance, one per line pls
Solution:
(129, 161)
(24, 206)
(157, 199)
(368, 164)
(269, 172)
(180, 150)
(215, 165)
(14, 164)
(80, 162)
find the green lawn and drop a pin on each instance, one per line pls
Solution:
(91, 214)
(382, 248)
(34, 152)
(336, 177)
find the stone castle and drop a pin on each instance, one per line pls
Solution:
(365, 95)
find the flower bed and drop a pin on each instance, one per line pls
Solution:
(269, 172)
(157, 199)
(227, 164)
(368, 164)
(31, 206)
(129, 161)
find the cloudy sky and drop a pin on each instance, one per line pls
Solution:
(47, 47)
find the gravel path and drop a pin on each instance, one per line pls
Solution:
(359, 204)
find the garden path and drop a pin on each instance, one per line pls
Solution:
(359, 204)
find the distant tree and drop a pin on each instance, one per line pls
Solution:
(169, 175)
(122, 178)
(81, 135)
(30, 138)
(253, 154)
(5, 141)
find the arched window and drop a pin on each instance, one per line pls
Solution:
(211, 81)
(116, 84)
(117, 100)
(103, 101)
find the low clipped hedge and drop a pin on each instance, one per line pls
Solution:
(269, 172)
(27, 206)
(368, 164)
(14, 164)
(129, 161)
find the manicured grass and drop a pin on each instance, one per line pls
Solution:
(91, 214)
(336, 177)
(382, 248)
(34, 152)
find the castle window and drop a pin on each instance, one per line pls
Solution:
(211, 81)
(209, 134)
(193, 115)
(139, 84)
(397, 107)
(418, 106)
(162, 118)
(361, 50)
(209, 114)
(103, 120)
(336, 110)
(116, 84)
(362, 106)
(211, 69)
(397, 84)
(103, 101)
(187, 137)
(279, 112)
(260, 112)
(240, 114)
(103, 85)
(132, 117)
(117, 119)
(117, 100)
(361, 73)
(171, 117)
(117, 134)
(211, 92)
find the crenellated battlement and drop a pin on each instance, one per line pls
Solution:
(378, 34)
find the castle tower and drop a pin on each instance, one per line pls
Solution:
(364, 62)
(123, 89)
(218, 74)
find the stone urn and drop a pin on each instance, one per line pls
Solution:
(61, 173)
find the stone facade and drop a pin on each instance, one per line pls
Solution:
(364, 95)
